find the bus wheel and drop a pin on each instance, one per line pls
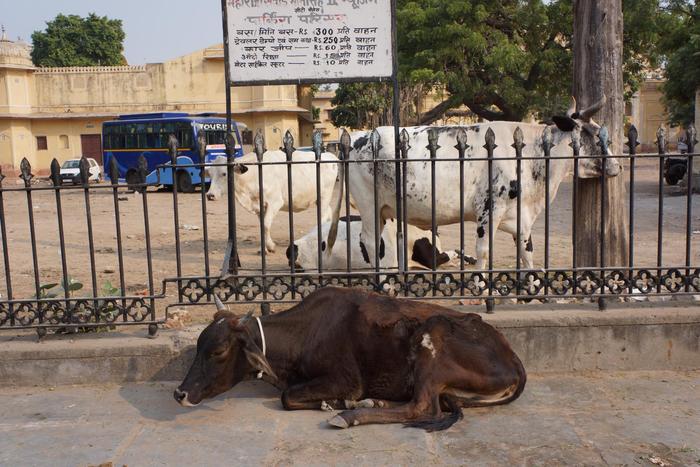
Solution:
(184, 182)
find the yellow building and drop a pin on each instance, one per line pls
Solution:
(48, 113)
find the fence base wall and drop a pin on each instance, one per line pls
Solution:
(548, 341)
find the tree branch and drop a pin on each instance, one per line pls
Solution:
(434, 114)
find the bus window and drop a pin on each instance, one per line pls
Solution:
(216, 137)
(130, 142)
(142, 140)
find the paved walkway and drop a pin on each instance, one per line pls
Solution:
(624, 419)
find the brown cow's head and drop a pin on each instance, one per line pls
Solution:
(226, 355)
(581, 122)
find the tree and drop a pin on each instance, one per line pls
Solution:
(683, 66)
(75, 41)
(598, 37)
(504, 59)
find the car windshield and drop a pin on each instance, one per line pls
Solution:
(73, 164)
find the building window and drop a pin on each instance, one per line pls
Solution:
(65, 143)
(247, 136)
(41, 143)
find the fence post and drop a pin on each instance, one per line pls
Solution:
(202, 146)
(260, 149)
(461, 147)
(317, 142)
(632, 143)
(603, 143)
(27, 176)
(172, 150)
(288, 148)
(661, 145)
(375, 141)
(113, 171)
(5, 252)
(345, 147)
(231, 260)
(490, 146)
(547, 145)
(518, 145)
(433, 147)
(402, 240)
(690, 135)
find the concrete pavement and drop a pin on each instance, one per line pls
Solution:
(633, 418)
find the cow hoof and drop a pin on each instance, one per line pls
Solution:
(338, 422)
(326, 407)
(365, 404)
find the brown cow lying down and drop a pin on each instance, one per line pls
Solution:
(384, 360)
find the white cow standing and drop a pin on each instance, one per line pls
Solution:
(303, 255)
(476, 178)
(275, 192)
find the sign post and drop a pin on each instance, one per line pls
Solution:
(275, 42)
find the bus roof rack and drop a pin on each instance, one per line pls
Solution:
(147, 116)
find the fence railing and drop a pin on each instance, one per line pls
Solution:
(39, 292)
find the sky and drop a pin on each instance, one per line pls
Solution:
(156, 30)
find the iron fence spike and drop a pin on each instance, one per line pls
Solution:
(604, 140)
(113, 171)
(661, 139)
(490, 139)
(317, 142)
(375, 141)
(259, 144)
(84, 167)
(288, 143)
(25, 169)
(55, 172)
(462, 139)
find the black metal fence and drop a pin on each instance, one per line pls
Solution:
(265, 281)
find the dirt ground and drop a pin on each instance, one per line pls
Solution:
(191, 230)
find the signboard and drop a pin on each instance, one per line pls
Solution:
(277, 41)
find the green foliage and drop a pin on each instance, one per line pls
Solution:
(109, 290)
(75, 41)
(683, 65)
(55, 290)
(357, 105)
(504, 59)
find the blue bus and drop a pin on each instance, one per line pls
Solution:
(130, 136)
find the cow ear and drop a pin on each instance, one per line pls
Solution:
(237, 323)
(256, 358)
(564, 123)
(223, 314)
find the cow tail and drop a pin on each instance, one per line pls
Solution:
(336, 203)
(443, 421)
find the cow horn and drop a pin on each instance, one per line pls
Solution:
(590, 111)
(572, 107)
(219, 304)
(246, 317)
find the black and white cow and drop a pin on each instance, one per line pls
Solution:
(303, 255)
(476, 193)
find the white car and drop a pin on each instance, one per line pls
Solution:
(70, 171)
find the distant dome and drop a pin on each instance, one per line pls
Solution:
(14, 54)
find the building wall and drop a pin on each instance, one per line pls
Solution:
(16, 95)
(98, 89)
(71, 102)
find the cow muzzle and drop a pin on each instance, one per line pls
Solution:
(182, 398)
(613, 168)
